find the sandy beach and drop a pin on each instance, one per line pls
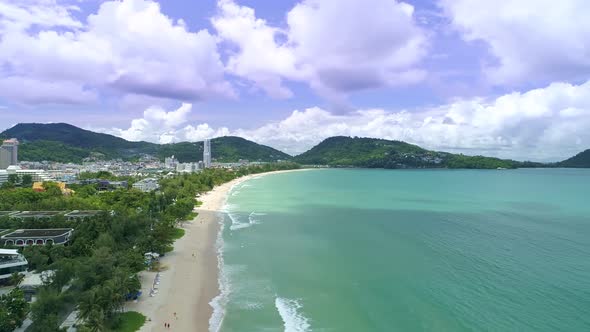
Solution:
(189, 277)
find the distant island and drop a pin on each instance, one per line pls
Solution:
(61, 142)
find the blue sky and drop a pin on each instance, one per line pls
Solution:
(504, 78)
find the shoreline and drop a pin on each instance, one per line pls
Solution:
(189, 278)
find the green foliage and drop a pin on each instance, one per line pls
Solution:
(478, 162)
(26, 181)
(178, 233)
(581, 160)
(13, 310)
(46, 310)
(16, 278)
(230, 149)
(129, 321)
(51, 151)
(66, 143)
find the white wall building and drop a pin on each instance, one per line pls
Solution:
(38, 175)
(188, 167)
(147, 185)
(207, 153)
(170, 162)
(10, 262)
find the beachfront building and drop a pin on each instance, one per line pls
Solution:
(207, 153)
(37, 175)
(36, 237)
(147, 185)
(9, 153)
(10, 262)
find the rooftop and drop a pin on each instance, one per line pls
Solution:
(7, 213)
(36, 214)
(82, 213)
(11, 141)
(148, 180)
(8, 252)
(30, 233)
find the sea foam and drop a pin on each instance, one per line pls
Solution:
(219, 302)
(293, 320)
(236, 223)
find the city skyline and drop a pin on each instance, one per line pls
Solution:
(440, 74)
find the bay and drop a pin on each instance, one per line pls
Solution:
(408, 250)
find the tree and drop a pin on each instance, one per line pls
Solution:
(13, 310)
(46, 309)
(16, 278)
(27, 181)
(90, 310)
(13, 179)
(52, 189)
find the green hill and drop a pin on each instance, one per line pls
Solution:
(581, 160)
(66, 143)
(380, 153)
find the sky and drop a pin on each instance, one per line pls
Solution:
(506, 78)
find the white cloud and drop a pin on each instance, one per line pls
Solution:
(533, 40)
(159, 126)
(259, 58)
(128, 46)
(22, 14)
(551, 123)
(31, 91)
(335, 46)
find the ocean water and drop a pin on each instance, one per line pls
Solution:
(407, 250)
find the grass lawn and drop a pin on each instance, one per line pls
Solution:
(130, 321)
(178, 233)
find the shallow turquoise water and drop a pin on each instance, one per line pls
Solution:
(408, 250)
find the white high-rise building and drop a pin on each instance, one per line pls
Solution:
(170, 162)
(9, 153)
(207, 153)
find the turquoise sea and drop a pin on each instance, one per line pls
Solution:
(407, 250)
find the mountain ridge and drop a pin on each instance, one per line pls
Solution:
(63, 142)
(67, 143)
(581, 160)
(368, 152)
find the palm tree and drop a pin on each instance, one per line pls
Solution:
(16, 278)
(90, 311)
